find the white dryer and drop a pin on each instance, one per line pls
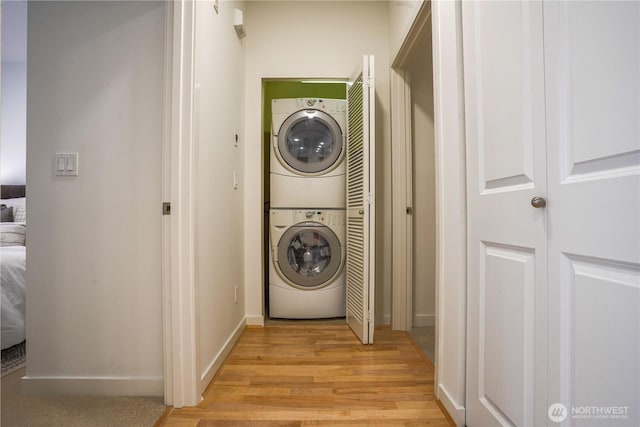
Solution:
(307, 153)
(306, 263)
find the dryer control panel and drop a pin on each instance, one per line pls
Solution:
(328, 105)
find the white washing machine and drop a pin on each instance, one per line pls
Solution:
(308, 152)
(306, 263)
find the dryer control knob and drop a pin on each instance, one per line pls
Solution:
(311, 102)
(309, 214)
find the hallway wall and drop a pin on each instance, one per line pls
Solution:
(313, 40)
(402, 13)
(95, 76)
(219, 207)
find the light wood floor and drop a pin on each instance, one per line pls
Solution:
(305, 375)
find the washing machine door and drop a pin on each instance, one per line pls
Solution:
(310, 142)
(309, 255)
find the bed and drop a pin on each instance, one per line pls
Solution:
(13, 264)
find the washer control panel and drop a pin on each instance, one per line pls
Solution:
(323, 216)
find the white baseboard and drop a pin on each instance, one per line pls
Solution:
(92, 386)
(383, 320)
(424, 320)
(254, 320)
(456, 411)
(218, 359)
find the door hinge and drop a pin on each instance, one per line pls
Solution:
(370, 198)
(370, 316)
(166, 208)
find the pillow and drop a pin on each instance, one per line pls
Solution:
(20, 214)
(18, 201)
(6, 214)
(12, 234)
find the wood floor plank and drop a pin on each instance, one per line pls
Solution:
(309, 375)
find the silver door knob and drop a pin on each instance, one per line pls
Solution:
(538, 202)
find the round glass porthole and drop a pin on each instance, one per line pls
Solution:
(309, 256)
(310, 142)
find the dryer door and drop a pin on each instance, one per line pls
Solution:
(309, 255)
(310, 142)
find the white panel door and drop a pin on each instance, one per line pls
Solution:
(592, 56)
(507, 236)
(360, 201)
(564, 283)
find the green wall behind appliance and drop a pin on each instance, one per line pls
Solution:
(277, 89)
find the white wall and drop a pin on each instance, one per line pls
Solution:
(13, 148)
(95, 75)
(402, 13)
(219, 236)
(317, 39)
(420, 68)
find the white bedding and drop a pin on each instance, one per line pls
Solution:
(14, 289)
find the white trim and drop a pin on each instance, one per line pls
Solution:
(219, 358)
(421, 320)
(254, 320)
(92, 386)
(182, 296)
(386, 319)
(166, 196)
(457, 412)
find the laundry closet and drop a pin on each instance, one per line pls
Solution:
(305, 248)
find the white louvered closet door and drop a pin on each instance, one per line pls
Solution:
(360, 201)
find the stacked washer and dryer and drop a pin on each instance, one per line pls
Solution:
(307, 224)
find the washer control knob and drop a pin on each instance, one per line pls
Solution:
(311, 102)
(309, 214)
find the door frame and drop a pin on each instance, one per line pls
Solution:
(451, 215)
(401, 184)
(178, 239)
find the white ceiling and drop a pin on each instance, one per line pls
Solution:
(14, 31)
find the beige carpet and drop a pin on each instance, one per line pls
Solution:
(72, 411)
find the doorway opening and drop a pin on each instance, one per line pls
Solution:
(13, 180)
(319, 90)
(414, 187)
(422, 183)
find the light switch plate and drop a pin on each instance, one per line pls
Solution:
(66, 164)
